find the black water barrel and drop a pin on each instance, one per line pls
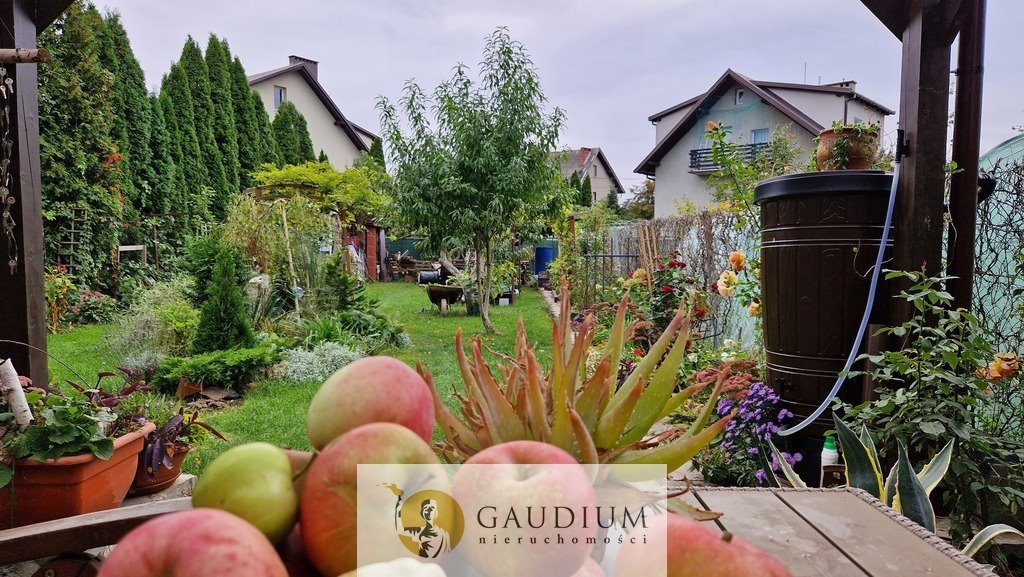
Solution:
(820, 234)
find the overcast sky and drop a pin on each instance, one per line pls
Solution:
(608, 63)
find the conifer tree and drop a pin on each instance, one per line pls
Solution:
(586, 192)
(224, 318)
(323, 157)
(377, 151)
(224, 128)
(132, 113)
(162, 173)
(176, 100)
(249, 147)
(612, 201)
(292, 135)
(197, 78)
(268, 153)
(79, 160)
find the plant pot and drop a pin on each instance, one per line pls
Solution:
(44, 491)
(846, 149)
(164, 477)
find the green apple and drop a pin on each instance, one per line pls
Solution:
(253, 481)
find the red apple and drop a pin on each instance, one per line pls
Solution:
(590, 568)
(693, 550)
(516, 479)
(294, 555)
(194, 543)
(329, 499)
(370, 390)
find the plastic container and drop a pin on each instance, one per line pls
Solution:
(829, 456)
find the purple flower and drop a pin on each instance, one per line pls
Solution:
(752, 451)
(761, 476)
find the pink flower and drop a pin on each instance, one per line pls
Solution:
(666, 289)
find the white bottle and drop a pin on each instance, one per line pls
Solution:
(829, 456)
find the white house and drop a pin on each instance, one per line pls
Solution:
(593, 163)
(750, 110)
(339, 138)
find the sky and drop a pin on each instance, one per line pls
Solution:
(609, 64)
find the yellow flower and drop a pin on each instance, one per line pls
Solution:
(640, 274)
(754, 309)
(1005, 365)
(712, 125)
(738, 260)
(726, 291)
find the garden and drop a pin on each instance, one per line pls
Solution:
(260, 358)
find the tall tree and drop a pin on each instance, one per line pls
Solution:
(224, 125)
(133, 117)
(484, 168)
(249, 145)
(612, 201)
(176, 101)
(641, 204)
(292, 135)
(268, 152)
(197, 77)
(162, 173)
(80, 164)
(586, 192)
(377, 151)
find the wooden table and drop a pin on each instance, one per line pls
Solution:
(814, 532)
(833, 533)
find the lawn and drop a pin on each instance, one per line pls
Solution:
(275, 411)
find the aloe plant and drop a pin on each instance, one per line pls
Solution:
(575, 408)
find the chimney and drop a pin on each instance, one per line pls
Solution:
(309, 65)
(582, 160)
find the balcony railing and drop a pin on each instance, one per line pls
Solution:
(701, 160)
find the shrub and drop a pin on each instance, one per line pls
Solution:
(162, 320)
(224, 319)
(91, 307)
(58, 287)
(304, 365)
(231, 369)
(202, 254)
(936, 383)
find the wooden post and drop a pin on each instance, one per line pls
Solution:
(22, 294)
(926, 28)
(963, 189)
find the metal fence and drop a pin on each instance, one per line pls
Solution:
(601, 270)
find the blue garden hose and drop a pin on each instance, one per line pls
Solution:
(875, 274)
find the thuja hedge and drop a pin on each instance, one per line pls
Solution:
(232, 369)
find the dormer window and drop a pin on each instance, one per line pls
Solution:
(739, 96)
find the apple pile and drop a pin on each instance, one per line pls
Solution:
(260, 510)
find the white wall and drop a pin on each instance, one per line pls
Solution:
(602, 183)
(674, 183)
(323, 132)
(668, 122)
(825, 108)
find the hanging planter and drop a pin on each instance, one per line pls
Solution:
(847, 146)
(73, 485)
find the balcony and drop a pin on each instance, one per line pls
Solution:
(701, 161)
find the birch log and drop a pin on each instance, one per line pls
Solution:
(11, 387)
(24, 56)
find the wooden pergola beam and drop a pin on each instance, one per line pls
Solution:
(22, 292)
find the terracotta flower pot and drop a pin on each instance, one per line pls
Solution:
(164, 477)
(857, 148)
(44, 491)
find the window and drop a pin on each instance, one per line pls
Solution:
(594, 169)
(739, 97)
(760, 136)
(280, 95)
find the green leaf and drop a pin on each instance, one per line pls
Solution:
(788, 471)
(6, 474)
(861, 470)
(987, 534)
(890, 487)
(911, 499)
(102, 448)
(935, 470)
(934, 428)
(769, 474)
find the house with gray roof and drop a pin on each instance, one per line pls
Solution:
(750, 110)
(593, 163)
(342, 140)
